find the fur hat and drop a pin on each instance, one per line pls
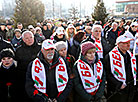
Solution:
(86, 46)
(59, 45)
(7, 53)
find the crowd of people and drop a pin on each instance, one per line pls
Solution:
(69, 61)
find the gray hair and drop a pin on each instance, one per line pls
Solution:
(27, 32)
(114, 24)
(95, 26)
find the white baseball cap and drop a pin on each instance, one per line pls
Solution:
(48, 44)
(30, 27)
(60, 30)
(123, 38)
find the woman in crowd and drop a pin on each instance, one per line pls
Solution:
(89, 81)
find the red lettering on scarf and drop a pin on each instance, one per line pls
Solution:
(117, 57)
(60, 61)
(37, 69)
(86, 73)
(87, 81)
(117, 63)
(61, 76)
(118, 72)
(99, 68)
(61, 68)
(134, 61)
(37, 61)
(98, 47)
(135, 69)
(97, 41)
(38, 80)
(83, 67)
(116, 52)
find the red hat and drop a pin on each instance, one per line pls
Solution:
(86, 46)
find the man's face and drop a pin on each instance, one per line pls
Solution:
(28, 39)
(45, 27)
(20, 26)
(134, 28)
(63, 52)
(97, 33)
(124, 46)
(88, 30)
(18, 34)
(48, 54)
(115, 27)
(7, 61)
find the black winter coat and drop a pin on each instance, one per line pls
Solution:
(111, 37)
(24, 55)
(51, 90)
(75, 50)
(5, 44)
(114, 85)
(8, 83)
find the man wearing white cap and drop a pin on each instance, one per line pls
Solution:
(121, 72)
(47, 78)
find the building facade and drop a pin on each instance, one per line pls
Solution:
(127, 6)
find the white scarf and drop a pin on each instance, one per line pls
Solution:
(99, 48)
(39, 75)
(90, 80)
(118, 66)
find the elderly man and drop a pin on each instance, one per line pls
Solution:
(102, 47)
(24, 54)
(121, 72)
(47, 77)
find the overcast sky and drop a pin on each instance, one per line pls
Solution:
(87, 4)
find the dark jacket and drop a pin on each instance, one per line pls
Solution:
(16, 42)
(24, 55)
(75, 50)
(47, 33)
(3, 33)
(5, 44)
(80, 93)
(51, 90)
(38, 38)
(8, 83)
(112, 36)
(114, 85)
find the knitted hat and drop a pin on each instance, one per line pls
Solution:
(59, 45)
(7, 53)
(86, 46)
